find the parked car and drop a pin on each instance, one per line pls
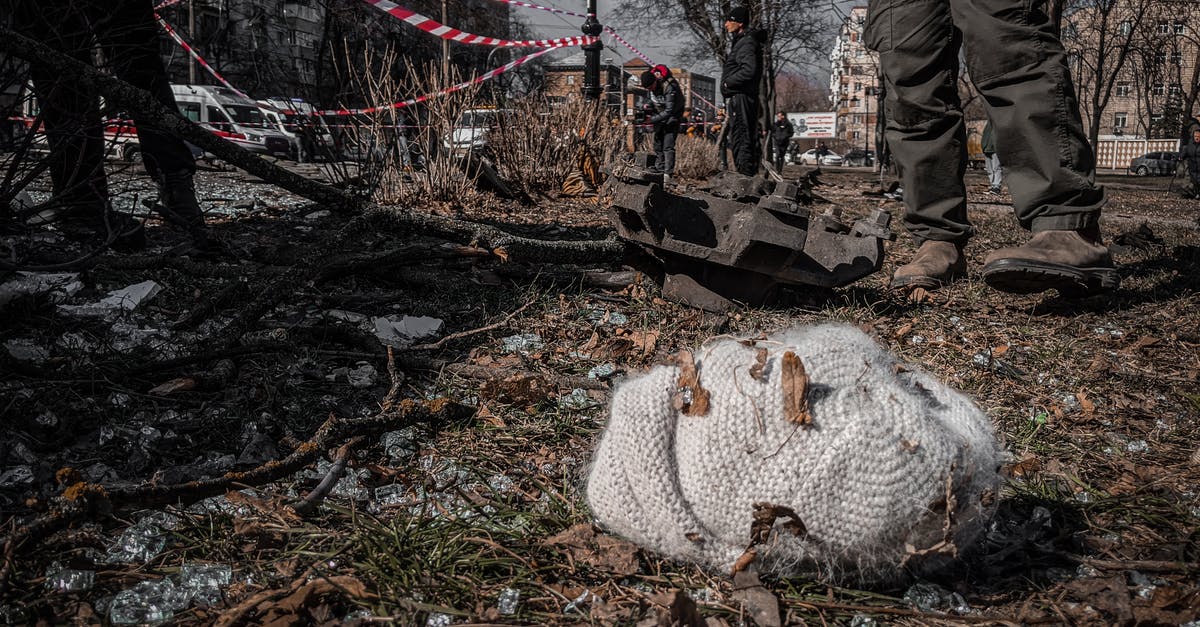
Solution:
(1155, 164)
(809, 157)
(231, 116)
(859, 158)
(470, 131)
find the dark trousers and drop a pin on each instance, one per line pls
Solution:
(1019, 66)
(128, 36)
(664, 146)
(780, 151)
(742, 118)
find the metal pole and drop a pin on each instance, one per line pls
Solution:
(445, 51)
(591, 55)
(866, 127)
(191, 38)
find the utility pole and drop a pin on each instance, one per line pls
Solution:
(445, 51)
(192, 39)
(591, 55)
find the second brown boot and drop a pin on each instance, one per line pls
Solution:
(935, 264)
(1073, 262)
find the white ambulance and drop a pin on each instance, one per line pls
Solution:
(231, 116)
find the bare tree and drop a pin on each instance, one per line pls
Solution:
(1100, 36)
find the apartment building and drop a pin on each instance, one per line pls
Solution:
(853, 83)
(1154, 46)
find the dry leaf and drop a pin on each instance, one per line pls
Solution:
(603, 552)
(501, 253)
(760, 363)
(744, 561)
(795, 389)
(691, 399)
(1086, 405)
(999, 350)
(909, 446)
(181, 384)
(676, 609)
(919, 295)
(902, 331)
(765, 515)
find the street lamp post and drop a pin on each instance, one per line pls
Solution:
(591, 54)
(866, 126)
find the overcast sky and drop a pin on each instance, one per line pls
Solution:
(661, 43)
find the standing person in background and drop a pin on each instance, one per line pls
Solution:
(128, 34)
(1191, 155)
(781, 136)
(740, 77)
(1018, 64)
(666, 120)
(991, 161)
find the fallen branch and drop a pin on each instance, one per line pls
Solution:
(82, 500)
(461, 334)
(309, 503)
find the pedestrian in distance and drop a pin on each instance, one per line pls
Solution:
(1018, 64)
(991, 161)
(1190, 154)
(781, 135)
(667, 117)
(127, 33)
(740, 77)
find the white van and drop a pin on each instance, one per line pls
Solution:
(298, 121)
(231, 116)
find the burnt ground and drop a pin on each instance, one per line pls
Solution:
(471, 512)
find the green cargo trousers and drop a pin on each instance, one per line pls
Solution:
(1017, 63)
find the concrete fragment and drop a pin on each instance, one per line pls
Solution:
(57, 286)
(124, 299)
(25, 349)
(404, 331)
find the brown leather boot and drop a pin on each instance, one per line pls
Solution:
(935, 264)
(1075, 263)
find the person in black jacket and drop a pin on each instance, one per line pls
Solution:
(667, 118)
(740, 77)
(781, 135)
(1191, 155)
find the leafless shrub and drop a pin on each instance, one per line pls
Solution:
(427, 170)
(536, 146)
(695, 157)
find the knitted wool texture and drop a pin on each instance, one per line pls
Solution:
(869, 477)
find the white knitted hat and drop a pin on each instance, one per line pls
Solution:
(894, 467)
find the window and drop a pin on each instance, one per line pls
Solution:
(1180, 27)
(1156, 119)
(1163, 27)
(1120, 120)
(190, 110)
(1177, 58)
(570, 80)
(1126, 28)
(1174, 90)
(1160, 57)
(1158, 89)
(1122, 89)
(218, 119)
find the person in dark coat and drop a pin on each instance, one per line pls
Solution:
(1018, 64)
(991, 161)
(667, 118)
(781, 136)
(740, 77)
(1191, 155)
(128, 34)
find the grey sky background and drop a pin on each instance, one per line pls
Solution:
(659, 41)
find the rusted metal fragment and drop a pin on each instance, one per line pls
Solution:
(736, 242)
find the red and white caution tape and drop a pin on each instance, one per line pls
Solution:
(617, 37)
(165, 3)
(204, 64)
(438, 29)
(412, 101)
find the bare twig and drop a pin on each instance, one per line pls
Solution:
(310, 502)
(461, 334)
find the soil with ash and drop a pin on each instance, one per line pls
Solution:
(156, 457)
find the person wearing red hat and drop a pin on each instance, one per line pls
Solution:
(740, 78)
(666, 120)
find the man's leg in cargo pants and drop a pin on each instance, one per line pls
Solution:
(130, 36)
(1048, 164)
(918, 54)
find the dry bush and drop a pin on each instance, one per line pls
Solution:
(536, 145)
(382, 172)
(695, 157)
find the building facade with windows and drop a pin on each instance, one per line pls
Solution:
(1154, 47)
(854, 83)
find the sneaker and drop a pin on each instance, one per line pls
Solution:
(1075, 263)
(935, 264)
